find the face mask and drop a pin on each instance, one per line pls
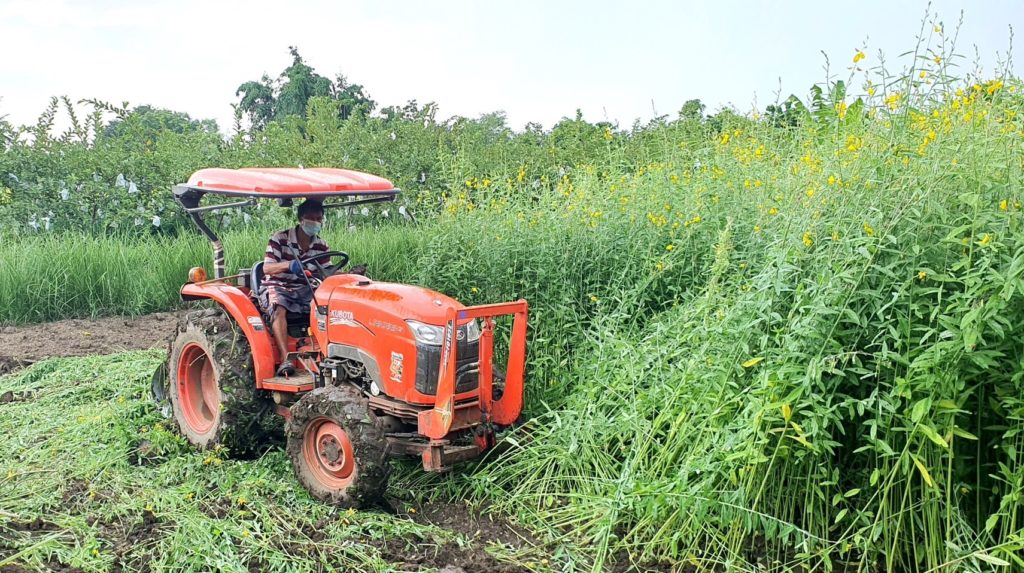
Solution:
(311, 228)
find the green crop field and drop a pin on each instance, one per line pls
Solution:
(784, 340)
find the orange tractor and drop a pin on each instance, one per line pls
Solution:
(382, 369)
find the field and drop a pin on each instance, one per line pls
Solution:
(780, 341)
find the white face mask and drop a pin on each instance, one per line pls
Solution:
(311, 228)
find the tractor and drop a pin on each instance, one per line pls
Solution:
(381, 369)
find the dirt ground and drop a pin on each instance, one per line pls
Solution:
(23, 345)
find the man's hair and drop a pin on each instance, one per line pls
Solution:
(310, 206)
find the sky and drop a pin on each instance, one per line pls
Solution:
(535, 60)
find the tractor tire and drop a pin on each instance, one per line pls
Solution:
(211, 387)
(338, 448)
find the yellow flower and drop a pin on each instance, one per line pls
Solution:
(985, 239)
(1003, 205)
(673, 178)
(831, 179)
(593, 299)
(474, 290)
(773, 211)
(607, 134)
(808, 241)
(809, 193)
(858, 56)
(242, 501)
(757, 228)
(937, 29)
(835, 235)
(921, 276)
(923, 74)
(725, 139)
(659, 265)
(937, 59)
(669, 247)
(868, 229)
(487, 182)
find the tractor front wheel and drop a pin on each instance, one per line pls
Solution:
(337, 448)
(212, 392)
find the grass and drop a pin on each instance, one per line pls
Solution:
(73, 276)
(91, 477)
(763, 345)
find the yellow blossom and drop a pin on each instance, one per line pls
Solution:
(659, 265)
(669, 247)
(773, 211)
(474, 290)
(985, 239)
(593, 299)
(858, 56)
(831, 179)
(921, 276)
(937, 59)
(868, 229)
(808, 241)
(809, 193)
(757, 228)
(1003, 205)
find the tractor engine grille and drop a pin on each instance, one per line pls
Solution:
(428, 366)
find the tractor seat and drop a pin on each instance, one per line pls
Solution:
(298, 322)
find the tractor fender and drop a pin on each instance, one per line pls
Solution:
(245, 314)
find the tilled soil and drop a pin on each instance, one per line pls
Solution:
(22, 345)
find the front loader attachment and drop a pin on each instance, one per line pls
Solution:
(437, 422)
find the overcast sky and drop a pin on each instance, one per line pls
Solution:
(537, 60)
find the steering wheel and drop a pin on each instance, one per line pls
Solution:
(327, 270)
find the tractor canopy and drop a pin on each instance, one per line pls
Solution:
(283, 184)
(287, 183)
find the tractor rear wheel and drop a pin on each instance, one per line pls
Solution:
(211, 387)
(337, 447)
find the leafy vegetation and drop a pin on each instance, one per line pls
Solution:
(785, 340)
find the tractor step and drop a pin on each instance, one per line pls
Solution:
(298, 382)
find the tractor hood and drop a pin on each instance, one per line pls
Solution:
(399, 300)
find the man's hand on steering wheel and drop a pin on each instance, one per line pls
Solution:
(327, 270)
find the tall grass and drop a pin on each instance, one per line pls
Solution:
(64, 276)
(796, 348)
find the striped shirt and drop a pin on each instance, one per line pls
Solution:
(283, 247)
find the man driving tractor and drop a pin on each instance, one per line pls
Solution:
(285, 289)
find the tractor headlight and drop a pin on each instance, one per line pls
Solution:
(434, 335)
(426, 333)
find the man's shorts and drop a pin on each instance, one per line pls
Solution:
(292, 299)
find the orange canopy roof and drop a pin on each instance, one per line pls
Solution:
(288, 182)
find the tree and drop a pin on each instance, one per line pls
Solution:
(693, 110)
(269, 100)
(148, 121)
(258, 102)
(299, 83)
(352, 97)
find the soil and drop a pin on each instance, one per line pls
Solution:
(22, 345)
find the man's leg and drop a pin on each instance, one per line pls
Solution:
(279, 327)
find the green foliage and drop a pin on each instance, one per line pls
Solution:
(93, 478)
(793, 338)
